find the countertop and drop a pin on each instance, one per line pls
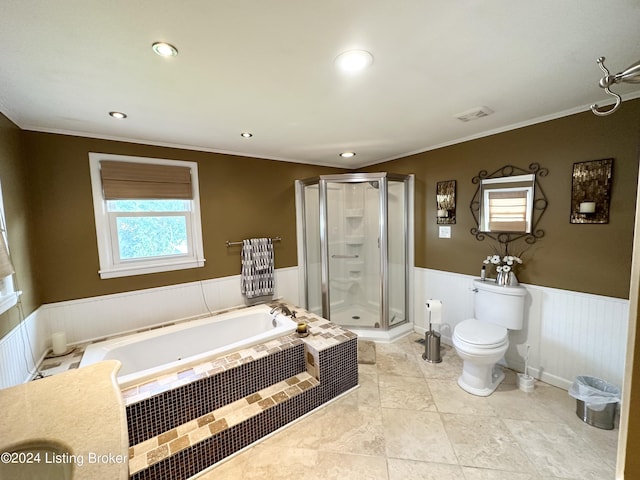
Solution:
(80, 410)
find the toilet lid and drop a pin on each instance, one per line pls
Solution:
(479, 333)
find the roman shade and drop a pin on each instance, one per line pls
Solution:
(508, 211)
(130, 180)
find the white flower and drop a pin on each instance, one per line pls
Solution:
(506, 268)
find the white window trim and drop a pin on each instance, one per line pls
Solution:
(487, 219)
(110, 265)
(8, 294)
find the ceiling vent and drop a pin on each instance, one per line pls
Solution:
(473, 114)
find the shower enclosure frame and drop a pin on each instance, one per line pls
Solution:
(386, 332)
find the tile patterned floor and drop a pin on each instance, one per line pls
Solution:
(409, 419)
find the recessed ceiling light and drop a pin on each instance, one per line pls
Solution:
(246, 134)
(118, 115)
(353, 61)
(348, 154)
(164, 49)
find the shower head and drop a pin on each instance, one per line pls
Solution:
(375, 184)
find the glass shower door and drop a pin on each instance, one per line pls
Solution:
(397, 249)
(353, 252)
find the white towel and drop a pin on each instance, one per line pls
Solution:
(257, 278)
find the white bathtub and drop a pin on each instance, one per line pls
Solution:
(159, 351)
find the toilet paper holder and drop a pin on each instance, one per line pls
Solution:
(432, 338)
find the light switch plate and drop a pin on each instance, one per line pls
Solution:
(444, 232)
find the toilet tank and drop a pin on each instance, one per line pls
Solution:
(499, 305)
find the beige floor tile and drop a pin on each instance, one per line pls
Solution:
(415, 435)
(367, 394)
(411, 469)
(471, 473)
(556, 450)
(450, 398)
(511, 402)
(339, 427)
(387, 429)
(405, 392)
(268, 462)
(485, 442)
(393, 359)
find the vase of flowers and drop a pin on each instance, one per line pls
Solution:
(505, 267)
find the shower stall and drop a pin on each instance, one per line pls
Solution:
(355, 250)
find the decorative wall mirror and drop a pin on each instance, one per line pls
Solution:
(446, 202)
(509, 203)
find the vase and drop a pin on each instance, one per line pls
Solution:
(507, 279)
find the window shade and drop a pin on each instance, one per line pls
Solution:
(508, 211)
(129, 180)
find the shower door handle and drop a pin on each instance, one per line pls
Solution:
(344, 256)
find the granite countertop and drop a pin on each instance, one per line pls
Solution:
(80, 411)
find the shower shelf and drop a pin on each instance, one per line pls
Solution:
(354, 212)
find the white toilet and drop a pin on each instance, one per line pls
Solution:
(482, 341)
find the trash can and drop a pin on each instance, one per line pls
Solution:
(596, 401)
(432, 347)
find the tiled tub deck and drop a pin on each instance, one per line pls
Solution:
(182, 423)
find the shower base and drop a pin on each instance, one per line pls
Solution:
(365, 322)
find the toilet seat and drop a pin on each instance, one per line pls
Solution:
(480, 334)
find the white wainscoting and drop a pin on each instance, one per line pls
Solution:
(21, 350)
(93, 318)
(568, 333)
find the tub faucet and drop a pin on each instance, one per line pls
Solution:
(284, 309)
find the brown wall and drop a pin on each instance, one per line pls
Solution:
(16, 212)
(240, 197)
(587, 258)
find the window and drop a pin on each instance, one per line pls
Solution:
(507, 204)
(508, 210)
(8, 294)
(147, 214)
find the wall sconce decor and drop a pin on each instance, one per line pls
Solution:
(446, 202)
(591, 191)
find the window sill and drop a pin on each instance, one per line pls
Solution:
(127, 271)
(9, 301)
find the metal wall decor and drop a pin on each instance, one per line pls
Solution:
(446, 202)
(591, 191)
(539, 204)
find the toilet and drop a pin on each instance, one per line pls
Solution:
(482, 341)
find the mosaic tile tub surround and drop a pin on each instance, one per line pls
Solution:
(185, 422)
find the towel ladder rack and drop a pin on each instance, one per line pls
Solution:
(228, 243)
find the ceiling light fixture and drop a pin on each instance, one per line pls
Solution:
(246, 134)
(164, 49)
(348, 154)
(353, 61)
(118, 115)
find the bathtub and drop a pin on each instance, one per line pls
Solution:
(162, 350)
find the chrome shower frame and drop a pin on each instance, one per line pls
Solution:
(383, 206)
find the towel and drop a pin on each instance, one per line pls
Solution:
(256, 278)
